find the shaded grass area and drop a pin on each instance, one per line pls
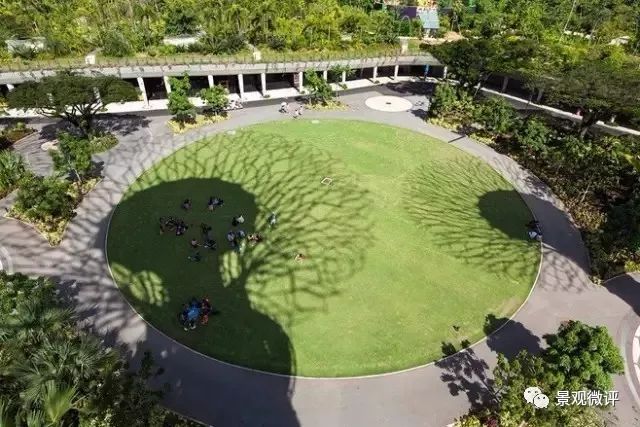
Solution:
(412, 245)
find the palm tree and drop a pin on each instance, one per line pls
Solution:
(58, 401)
(237, 15)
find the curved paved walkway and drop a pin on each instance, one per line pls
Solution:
(224, 395)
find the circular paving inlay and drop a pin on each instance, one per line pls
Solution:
(390, 104)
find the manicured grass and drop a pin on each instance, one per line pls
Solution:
(413, 245)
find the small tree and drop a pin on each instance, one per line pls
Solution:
(321, 92)
(12, 169)
(73, 158)
(72, 97)
(215, 99)
(179, 104)
(43, 199)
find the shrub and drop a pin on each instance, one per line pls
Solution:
(44, 199)
(12, 169)
(443, 101)
(533, 137)
(215, 99)
(496, 116)
(102, 143)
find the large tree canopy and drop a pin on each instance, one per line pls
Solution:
(599, 87)
(73, 97)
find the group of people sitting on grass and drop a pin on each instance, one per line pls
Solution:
(194, 312)
(173, 224)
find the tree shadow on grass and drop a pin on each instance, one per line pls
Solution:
(262, 291)
(450, 200)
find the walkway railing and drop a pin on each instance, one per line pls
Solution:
(196, 59)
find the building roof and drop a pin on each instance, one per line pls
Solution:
(429, 18)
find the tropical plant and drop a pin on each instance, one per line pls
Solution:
(320, 90)
(12, 169)
(496, 116)
(44, 198)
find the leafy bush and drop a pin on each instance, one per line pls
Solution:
(496, 116)
(12, 169)
(215, 99)
(103, 142)
(44, 199)
(73, 158)
(321, 92)
(443, 101)
(534, 136)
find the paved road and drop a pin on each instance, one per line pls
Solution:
(224, 395)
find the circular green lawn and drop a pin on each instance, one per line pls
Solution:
(413, 248)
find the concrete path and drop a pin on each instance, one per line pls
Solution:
(223, 395)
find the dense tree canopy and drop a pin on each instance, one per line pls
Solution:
(122, 27)
(579, 357)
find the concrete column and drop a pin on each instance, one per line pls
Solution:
(300, 81)
(325, 75)
(395, 71)
(210, 78)
(167, 84)
(505, 82)
(143, 90)
(263, 83)
(344, 77)
(375, 72)
(241, 85)
(540, 93)
(10, 87)
(444, 72)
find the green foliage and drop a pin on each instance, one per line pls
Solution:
(444, 100)
(496, 115)
(583, 357)
(320, 90)
(534, 137)
(12, 169)
(579, 357)
(599, 87)
(473, 61)
(179, 104)
(71, 97)
(453, 103)
(53, 374)
(215, 99)
(43, 199)
(181, 16)
(73, 157)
